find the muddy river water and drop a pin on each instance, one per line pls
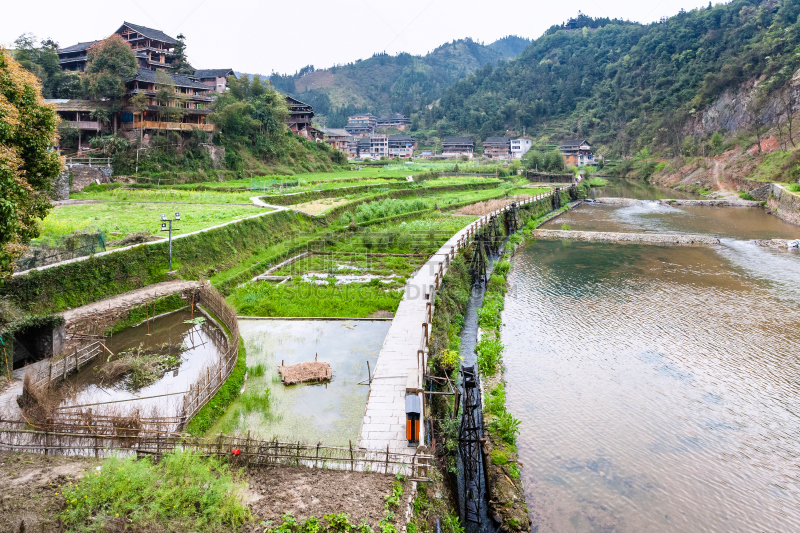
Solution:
(658, 387)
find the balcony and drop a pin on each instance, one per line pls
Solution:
(172, 126)
(90, 125)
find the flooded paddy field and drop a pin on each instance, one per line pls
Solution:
(327, 412)
(657, 386)
(186, 347)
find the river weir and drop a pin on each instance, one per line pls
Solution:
(657, 385)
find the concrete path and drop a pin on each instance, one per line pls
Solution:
(637, 238)
(400, 368)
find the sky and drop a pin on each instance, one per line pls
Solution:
(267, 36)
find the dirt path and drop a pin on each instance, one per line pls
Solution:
(30, 489)
(309, 492)
(129, 299)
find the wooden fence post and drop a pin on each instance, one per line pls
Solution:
(317, 457)
(352, 462)
(386, 465)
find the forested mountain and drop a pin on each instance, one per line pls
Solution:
(384, 83)
(625, 85)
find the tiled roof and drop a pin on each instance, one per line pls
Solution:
(150, 33)
(179, 80)
(335, 132)
(497, 140)
(80, 47)
(291, 100)
(574, 142)
(457, 140)
(214, 73)
(401, 138)
(64, 104)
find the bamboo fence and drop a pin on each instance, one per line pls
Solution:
(101, 440)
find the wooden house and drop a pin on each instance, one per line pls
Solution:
(401, 145)
(217, 78)
(497, 148)
(458, 146)
(187, 111)
(396, 120)
(361, 124)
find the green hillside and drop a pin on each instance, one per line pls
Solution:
(384, 83)
(624, 85)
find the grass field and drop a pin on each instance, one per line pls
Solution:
(167, 196)
(119, 219)
(354, 300)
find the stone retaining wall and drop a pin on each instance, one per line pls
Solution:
(638, 238)
(784, 204)
(83, 176)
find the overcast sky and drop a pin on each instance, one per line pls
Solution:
(266, 36)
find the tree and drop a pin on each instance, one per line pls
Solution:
(789, 104)
(180, 63)
(28, 164)
(42, 61)
(716, 142)
(755, 111)
(109, 65)
(167, 98)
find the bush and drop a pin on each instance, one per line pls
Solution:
(489, 352)
(744, 195)
(183, 491)
(506, 427)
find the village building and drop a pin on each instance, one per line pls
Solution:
(577, 152)
(337, 138)
(153, 48)
(520, 147)
(217, 79)
(396, 120)
(74, 57)
(187, 111)
(299, 119)
(361, 124)
(458, 146)
(76, 116)
(497, 148)
(401, 145)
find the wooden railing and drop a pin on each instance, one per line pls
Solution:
(179, 126)
(91, 161)
(62, 367)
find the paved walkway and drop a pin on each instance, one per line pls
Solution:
(384, 422)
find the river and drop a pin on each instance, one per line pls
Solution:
(658, 386)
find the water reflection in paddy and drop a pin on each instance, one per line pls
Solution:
(658, 390)
(329, 413)
(202, 345)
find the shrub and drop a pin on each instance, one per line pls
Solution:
(489, 352)
(182, 489)
(496, 400)
(744, 195)
(256, 371)
(506, 427)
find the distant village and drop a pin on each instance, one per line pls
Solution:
(359, 139)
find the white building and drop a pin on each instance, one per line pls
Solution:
(520, 147)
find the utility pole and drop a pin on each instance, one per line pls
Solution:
(164, 227)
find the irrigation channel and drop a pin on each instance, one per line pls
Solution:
(657, 386)
(475, 505)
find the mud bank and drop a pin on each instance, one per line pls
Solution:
(638, 238)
